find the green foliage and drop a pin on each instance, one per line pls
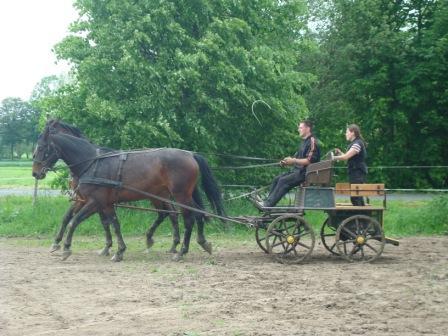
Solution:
(383, 65)
(18, 127)
(185, 74)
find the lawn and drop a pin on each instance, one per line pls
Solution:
(18, 216)
(18, 174)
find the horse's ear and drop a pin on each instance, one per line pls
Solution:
(52, 123)
(49, 129)
(45, 133)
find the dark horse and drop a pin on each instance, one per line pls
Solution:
(166, 210)
(106, 179)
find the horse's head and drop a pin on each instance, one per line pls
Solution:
(45, 155)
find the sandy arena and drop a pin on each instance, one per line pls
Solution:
(237, 291)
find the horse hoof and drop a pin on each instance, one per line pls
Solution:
(66, 254)
(177, 257)
(54, 247)
(117, 258)
(172, 250)
(104, 252)
(207, 247)
(149, 243)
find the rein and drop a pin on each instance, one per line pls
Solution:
(119, 185)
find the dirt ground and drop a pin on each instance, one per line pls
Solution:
(237, 291)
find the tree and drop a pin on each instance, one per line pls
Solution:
(18, 123)
(378, 65)
(185, 74)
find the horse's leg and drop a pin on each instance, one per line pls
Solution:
(188, 223)
(201, 237)
(75, 206)
(106, 225)
(200, 218)
(175, 227)
(160, 217)
(85, 212)
(112, 217)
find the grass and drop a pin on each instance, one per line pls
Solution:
(20, 176)
(19, 218)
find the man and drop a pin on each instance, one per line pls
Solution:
(308, 153)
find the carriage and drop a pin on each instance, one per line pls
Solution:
(353, 232)
(168, 178)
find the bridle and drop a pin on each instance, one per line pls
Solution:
(45, 159)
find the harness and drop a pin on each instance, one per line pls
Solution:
(100, 181)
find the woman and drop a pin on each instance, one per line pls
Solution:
(356, 156)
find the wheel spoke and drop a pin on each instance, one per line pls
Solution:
(331, 228)
(353, 251)
(327, 232)
(291, 248)
(277, 244)
(357, 224)
(345, 242)
(366, 231)
(305, 233)
(348, 231)
(273, 241)
(362, 252)
(304, 245)
(278, 233)
(287, 228)
(372, 248)
(296, 253)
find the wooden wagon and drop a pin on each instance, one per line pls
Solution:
(355, 233)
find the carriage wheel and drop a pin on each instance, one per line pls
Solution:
(327, 234)
(260, 237)
(360, 238)
(290, 239)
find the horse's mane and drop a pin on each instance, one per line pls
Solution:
(75, 132)
(69, 128)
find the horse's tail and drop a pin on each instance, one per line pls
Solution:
(210, 186)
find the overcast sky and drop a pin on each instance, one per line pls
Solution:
(28, 31)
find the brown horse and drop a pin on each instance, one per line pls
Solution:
(166, 210)
(104, 180)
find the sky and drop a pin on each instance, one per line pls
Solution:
(28, 31)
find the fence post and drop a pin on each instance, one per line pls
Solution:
(35, 191)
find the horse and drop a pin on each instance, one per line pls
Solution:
(110, 178)
(166, 210)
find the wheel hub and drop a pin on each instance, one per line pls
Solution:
(290, 239)
(360, 240)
